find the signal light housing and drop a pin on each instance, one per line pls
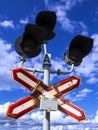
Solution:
(80, 47)
(47, 19)
(29, 44)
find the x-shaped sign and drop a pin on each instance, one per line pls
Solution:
(38, 89)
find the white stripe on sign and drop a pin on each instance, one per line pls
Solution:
(72, 110)
(67, 85)
(52, 92)
(26, 79)
(23, 107)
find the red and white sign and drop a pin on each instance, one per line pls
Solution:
(22, 107)
(26, 79)
(39, 89)
(70, 109)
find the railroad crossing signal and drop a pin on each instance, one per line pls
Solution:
(38, 89)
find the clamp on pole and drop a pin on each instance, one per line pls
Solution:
(22, 60)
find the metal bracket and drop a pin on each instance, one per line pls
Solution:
(58, 72)
(22, 60)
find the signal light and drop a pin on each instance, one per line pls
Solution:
(29, 44)
(47, 19)
(80, 47)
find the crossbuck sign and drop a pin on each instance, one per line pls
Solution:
(38, 89)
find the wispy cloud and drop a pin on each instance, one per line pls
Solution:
(92, 80)
(7, 24)
(24, 21)
(83, 93)
(68, 4)
(89, 66)
(61, 7)
(79, 96)
(8, 60)
(46, 2)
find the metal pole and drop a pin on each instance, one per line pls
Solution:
(46, 67)
(46, 121)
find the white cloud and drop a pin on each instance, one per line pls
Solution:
(96, 117)
(68, 4)
(24, 21)
(83, 93)
(89, 66)
(8, 60)
(61, 13)
(58, 127)
(58, 63)
(7, 125)
(92, 80)
(3, 108)
(58, 120)
(83, 28)
(46, 2)
(61, 7)
(7, 24)
(79, 95)
(38, 115)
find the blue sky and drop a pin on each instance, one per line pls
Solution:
(73, 17)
